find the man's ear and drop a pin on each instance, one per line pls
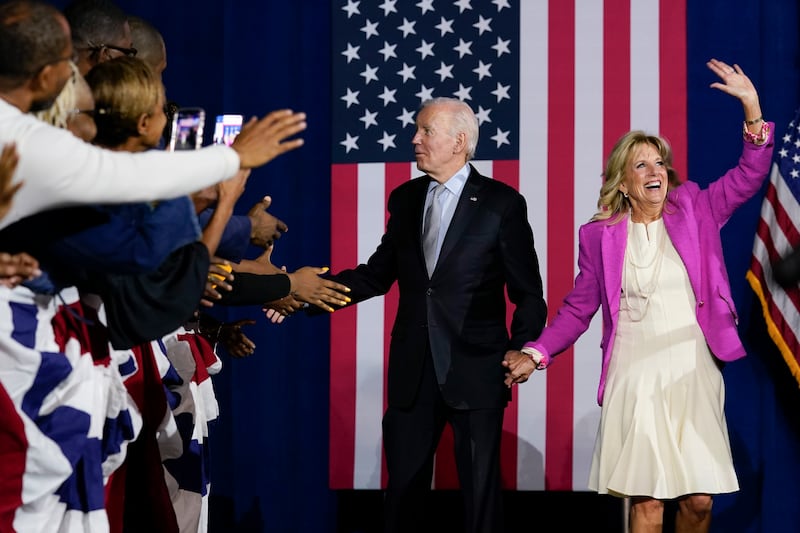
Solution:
(143, 123)
(461, 143)
(44, 81)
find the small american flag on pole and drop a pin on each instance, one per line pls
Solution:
(554, 84)
(776, 236)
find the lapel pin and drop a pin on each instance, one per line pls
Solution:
(473, 198)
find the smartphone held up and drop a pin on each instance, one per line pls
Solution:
(187, 129)
(227, 128)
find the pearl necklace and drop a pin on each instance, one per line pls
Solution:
(634, 268)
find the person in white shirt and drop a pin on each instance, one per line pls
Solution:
(58, 169)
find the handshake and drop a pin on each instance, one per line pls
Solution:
(520, 365)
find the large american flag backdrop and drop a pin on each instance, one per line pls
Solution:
(554, 84)
(777, 235)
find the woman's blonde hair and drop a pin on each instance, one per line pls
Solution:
(124, 89)
(612, 203)
(58, 114)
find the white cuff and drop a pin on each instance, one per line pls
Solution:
(535, 356)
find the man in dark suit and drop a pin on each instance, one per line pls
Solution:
(450, 336)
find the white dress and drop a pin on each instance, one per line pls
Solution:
(662, 429)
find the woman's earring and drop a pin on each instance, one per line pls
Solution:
(625, 194)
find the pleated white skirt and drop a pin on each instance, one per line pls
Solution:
(662, 429)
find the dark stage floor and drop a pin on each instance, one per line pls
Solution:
(360, 512)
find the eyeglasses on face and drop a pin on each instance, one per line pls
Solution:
(130, 52)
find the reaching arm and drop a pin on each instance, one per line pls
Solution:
(75, 172)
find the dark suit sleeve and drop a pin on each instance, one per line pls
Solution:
(373, 278)
(523, 279)
(376, 276)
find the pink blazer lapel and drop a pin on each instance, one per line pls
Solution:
(612, 247)
(683, 234)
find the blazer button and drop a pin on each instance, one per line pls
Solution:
(701, 303)
(429, 291)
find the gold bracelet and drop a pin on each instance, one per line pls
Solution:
(754, 121)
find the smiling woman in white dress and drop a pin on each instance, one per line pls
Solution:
(651, 258)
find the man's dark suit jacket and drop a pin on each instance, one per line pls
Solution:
(462, 307)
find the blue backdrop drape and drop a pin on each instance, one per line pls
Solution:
(270, 444)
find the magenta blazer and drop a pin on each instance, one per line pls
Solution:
(693, 218)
